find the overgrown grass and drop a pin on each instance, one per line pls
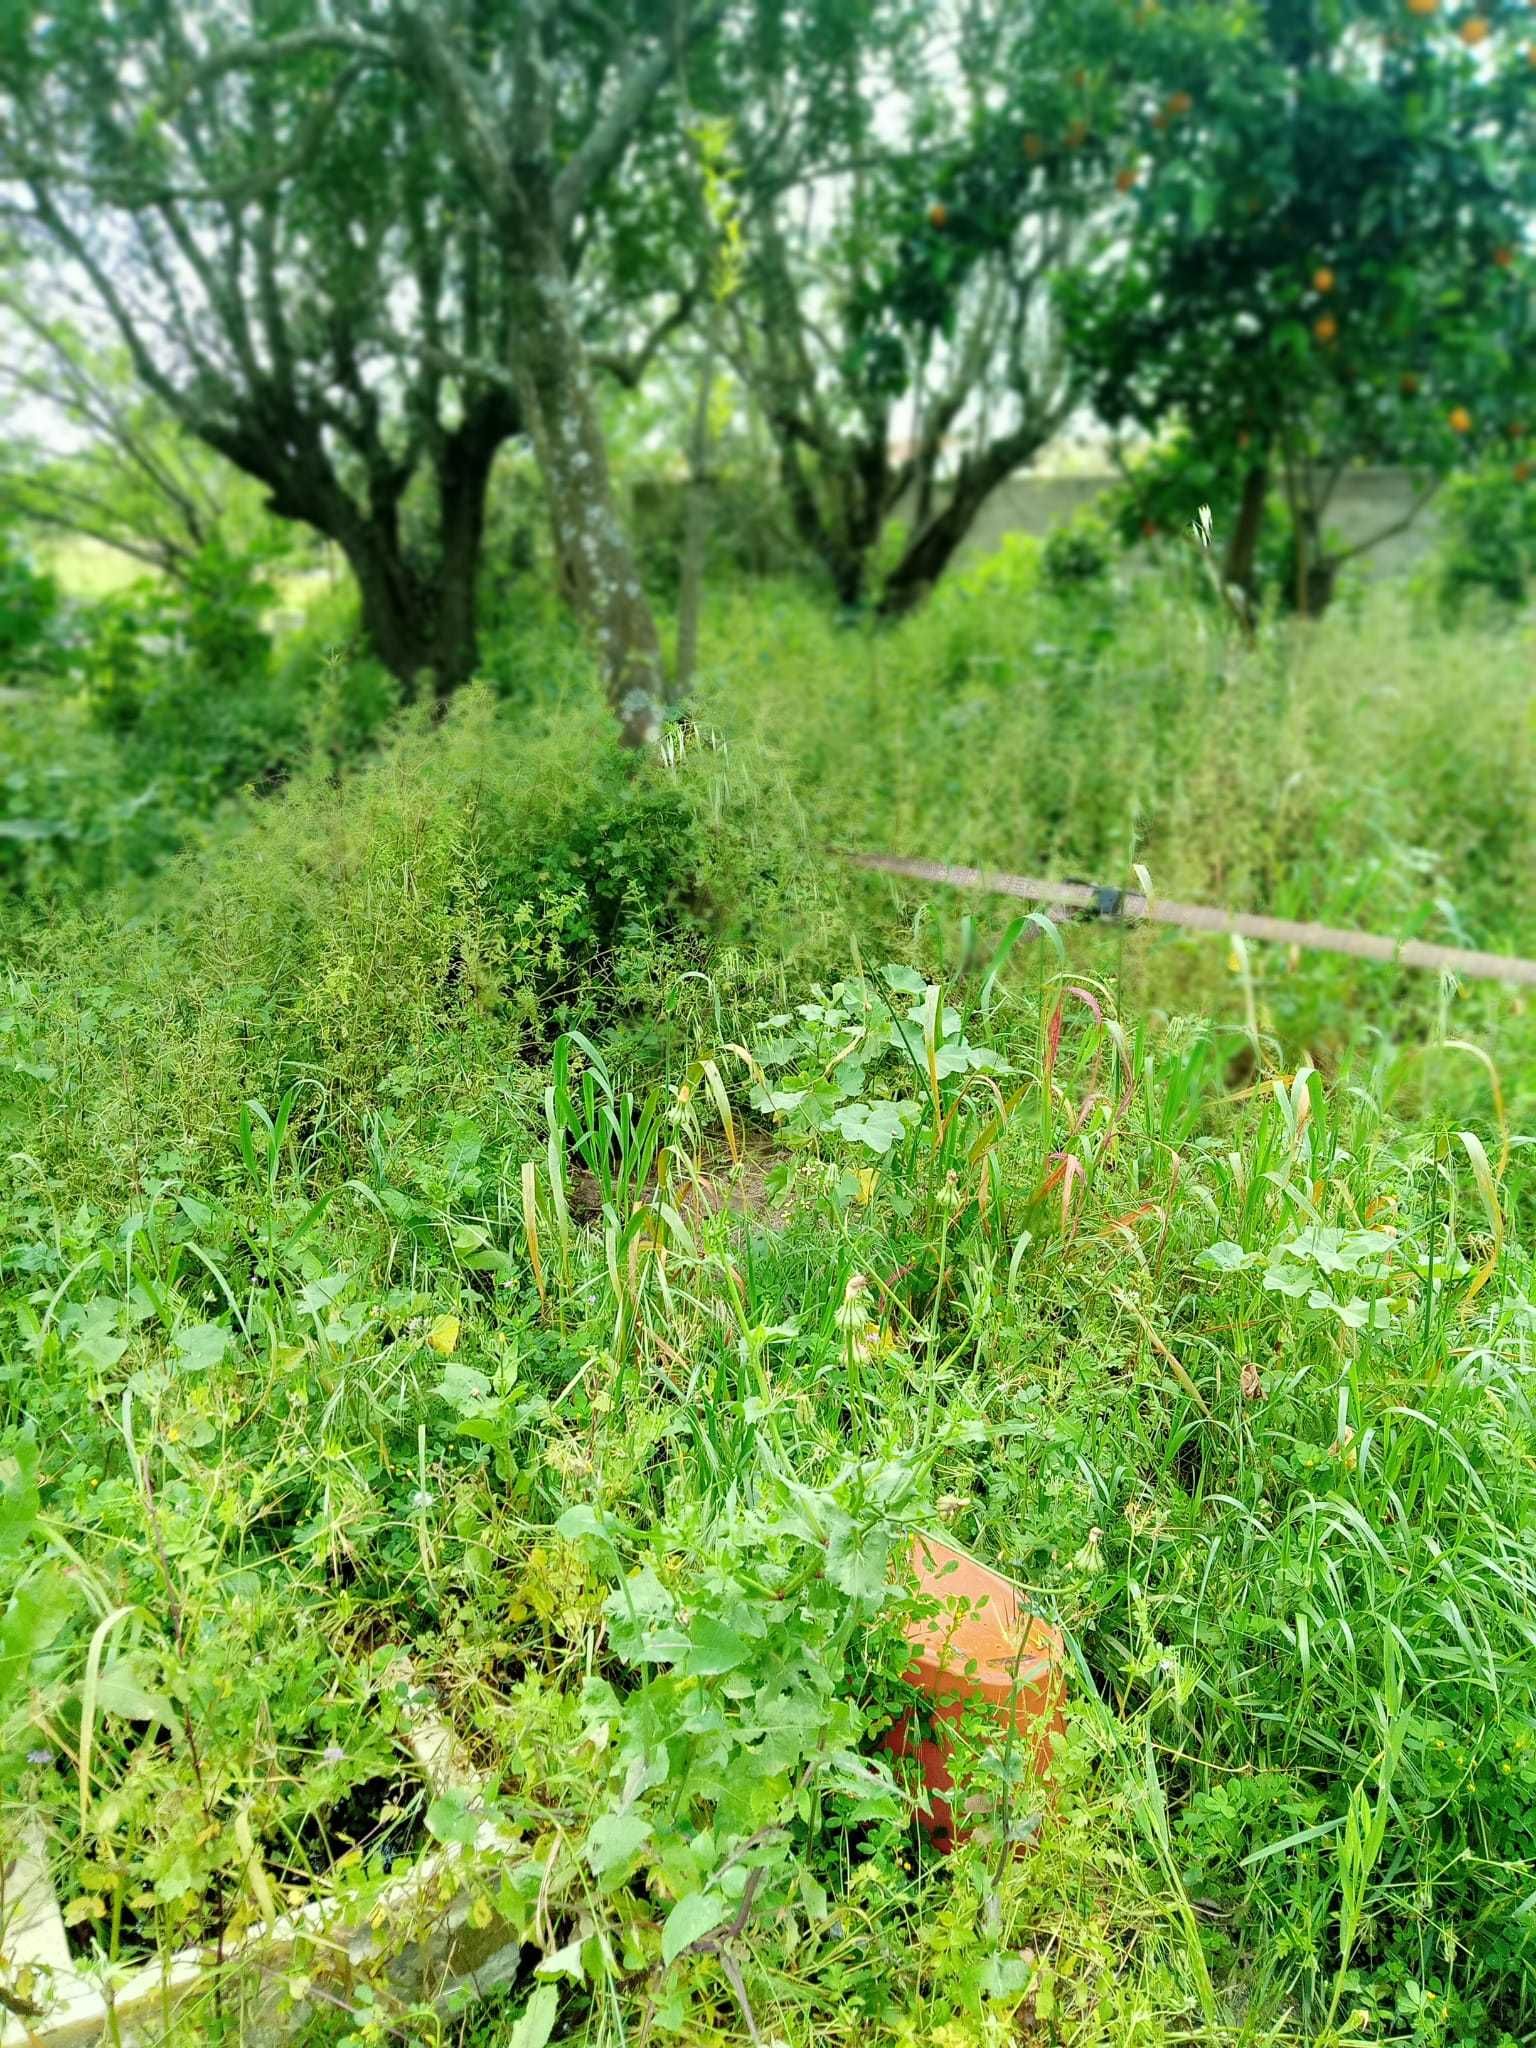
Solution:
(1374, 772)
(495, 1207)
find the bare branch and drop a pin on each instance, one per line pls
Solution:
(605, 145)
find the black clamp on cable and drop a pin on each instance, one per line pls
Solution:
(1107, 904)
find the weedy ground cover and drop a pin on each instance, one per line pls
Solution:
(545, 1219)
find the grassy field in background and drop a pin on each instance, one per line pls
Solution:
(542, 1214)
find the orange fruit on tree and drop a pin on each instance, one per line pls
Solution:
(1124, 180)
(1326, 329)
(1323, 280)
(1423, 6)
(1459, 420)
(938, 214)
(1474, 30)
(1504, 256)
(1179, 103)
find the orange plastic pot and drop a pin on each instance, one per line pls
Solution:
(982, 1650)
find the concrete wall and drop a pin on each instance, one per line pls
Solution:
(1366, 501)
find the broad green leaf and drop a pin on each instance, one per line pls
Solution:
(857, 1557)
(34, 1617)
(120, 1689)
(1223, 1257)
(694, 1916)
(875, 1124)
(463, 1388)
(452, 1818)
(323, 1294)
(536, 2022)
(615, 1839)
(18, 1490)
(712, 1649)
(200, 1346)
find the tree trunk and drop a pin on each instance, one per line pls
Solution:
(1239, 571)
(928, 552)
(463, 481)
(418, 614)
(394, 610)
(597, 562)
(690, 594)
(1314, 573)
(931, 548)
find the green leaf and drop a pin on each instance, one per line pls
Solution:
(37, 1611)
(451, 1818)
(120, 1689)
(536, 2022)
(1223, 1257)
(694, 1916)
(321, 1295)
(18, 1491)
(463, 1388)
(875, 1124)
(857, 1557)
(905, 981)
(615, 1839)
(200, 1346)
(712, 1649)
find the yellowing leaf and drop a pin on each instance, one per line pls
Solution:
(86, 1907)
(444, 1335)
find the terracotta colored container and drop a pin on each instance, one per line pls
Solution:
(983, 1649)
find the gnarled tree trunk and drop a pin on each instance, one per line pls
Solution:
(1239, 570)
(599, 570)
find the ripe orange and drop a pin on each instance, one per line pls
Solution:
(1179, 103)
(1124, 180)
(1326, 329)
(1459, 420)
(1474, 30)
(938, 214)
(1423, 6)
(1322, 280)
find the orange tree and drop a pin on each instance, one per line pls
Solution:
(903, 217)
(1322, 253)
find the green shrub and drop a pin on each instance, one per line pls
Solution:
(1488, 544)
(437, 913)
(29, 615)
(1078, 554)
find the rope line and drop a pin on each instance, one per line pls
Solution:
(1201, 917)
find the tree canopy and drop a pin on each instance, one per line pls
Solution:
(1321, 253)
